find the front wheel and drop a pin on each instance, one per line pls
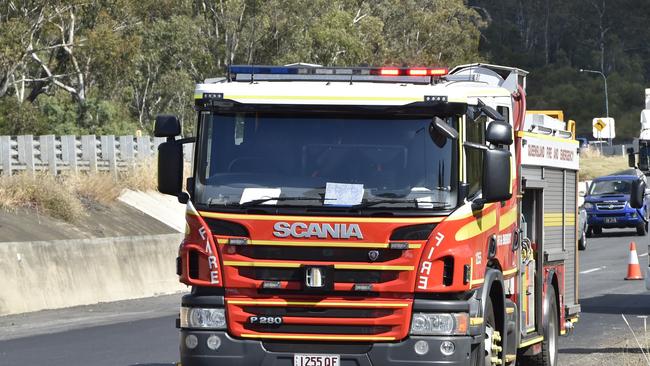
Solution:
(597, 230)
(582, 242)
(642, 229)
(548, 356)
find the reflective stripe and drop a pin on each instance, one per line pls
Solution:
(344, 244)
(371, 267)
(318, 336)
(379, 220)
(531, 342)
(477, 227)
(475, 321)
(360, 304)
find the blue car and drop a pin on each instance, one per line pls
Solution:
(607, 205)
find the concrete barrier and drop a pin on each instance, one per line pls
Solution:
(61, 273)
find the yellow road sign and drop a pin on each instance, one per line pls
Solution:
(600, 125)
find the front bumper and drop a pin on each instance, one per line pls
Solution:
(621, 220)
(252, 352)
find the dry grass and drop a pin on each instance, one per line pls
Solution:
(69, 196)
(593, 165)
(51, 195)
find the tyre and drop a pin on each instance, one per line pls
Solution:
(589, 231)
(642, 229)
(491, 347)
(582, 242)
(597, 230)
(548, 356)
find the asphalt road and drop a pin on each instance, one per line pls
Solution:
(141, 332)
(602, 337)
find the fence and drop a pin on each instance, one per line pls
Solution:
(56, 154)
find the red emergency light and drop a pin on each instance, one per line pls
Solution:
(414, 71)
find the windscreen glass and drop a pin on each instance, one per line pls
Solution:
(611, 187)
(322, 160)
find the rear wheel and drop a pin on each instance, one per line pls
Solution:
(642, 229)
(548, 356)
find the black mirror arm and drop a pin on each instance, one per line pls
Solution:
(186, 140)
(490, 112)
(473, 145)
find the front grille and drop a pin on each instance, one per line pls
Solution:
(618, 214)
(316, 254)
(322, 329)
(340, 275)
(610, 206)
(311, 312)
(318, 319)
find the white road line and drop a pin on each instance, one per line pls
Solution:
(643, 255)
(593, 270)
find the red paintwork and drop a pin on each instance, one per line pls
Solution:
(425, 261)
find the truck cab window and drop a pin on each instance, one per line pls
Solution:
(475, 132)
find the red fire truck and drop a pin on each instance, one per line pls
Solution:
(373, 216)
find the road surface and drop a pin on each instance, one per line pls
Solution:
(141, 332)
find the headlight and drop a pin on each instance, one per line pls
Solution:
(439, 324)
(203, 318)
(588, 205)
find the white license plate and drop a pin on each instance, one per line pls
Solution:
(610, 220)
(316, 360)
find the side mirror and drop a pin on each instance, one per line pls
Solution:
(496, 175)
(170, 168)
(644, 163)
(637, 193)
(499, 133)
(631, 161)
(167, 126)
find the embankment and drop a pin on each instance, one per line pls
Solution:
(38, 275)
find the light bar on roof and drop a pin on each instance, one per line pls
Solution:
(300, 72)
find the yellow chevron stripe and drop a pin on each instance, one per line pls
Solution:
(508, 218)
(477, 227)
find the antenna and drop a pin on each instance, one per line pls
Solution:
(252, 50)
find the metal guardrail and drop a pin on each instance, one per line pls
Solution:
(56, 154)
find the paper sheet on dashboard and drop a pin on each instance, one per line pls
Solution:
(343, 194)
(252, 194)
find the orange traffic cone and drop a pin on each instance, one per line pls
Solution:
(633, 268)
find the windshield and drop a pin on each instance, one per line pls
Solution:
(611, 187)
(324, 159)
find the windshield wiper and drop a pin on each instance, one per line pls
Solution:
(414, 202)
(282, 198)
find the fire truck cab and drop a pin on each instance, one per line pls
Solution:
(373, 216)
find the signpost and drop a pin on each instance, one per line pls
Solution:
(603, 128)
